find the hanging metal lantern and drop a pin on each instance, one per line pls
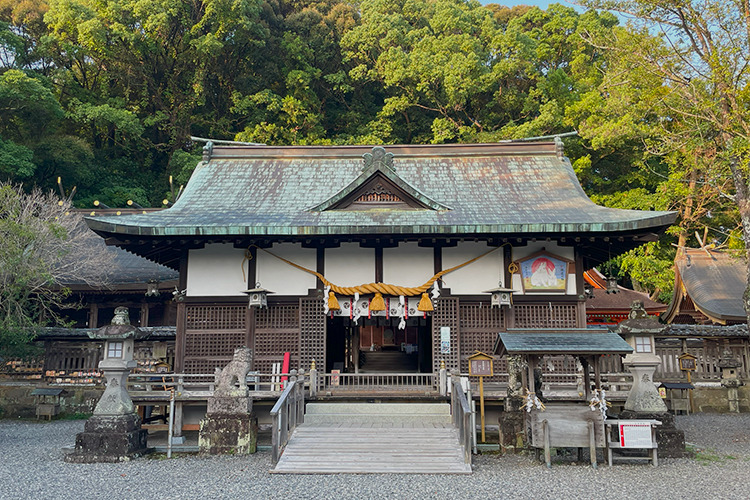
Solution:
(500, 296)
(152, 288)
(258, 296)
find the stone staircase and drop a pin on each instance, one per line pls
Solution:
(377, 438)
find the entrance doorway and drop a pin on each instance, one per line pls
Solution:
(377, 345)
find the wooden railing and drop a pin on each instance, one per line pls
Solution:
(196, 385)
(461, 412)
(391, 382)
(287, 413)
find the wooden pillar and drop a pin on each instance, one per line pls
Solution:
(378, 264)
(320, 266)
(93, 315)
(179, 350)
(586, 378)
(144, 314)
(598, 372)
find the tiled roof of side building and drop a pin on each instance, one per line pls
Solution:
(715, 281)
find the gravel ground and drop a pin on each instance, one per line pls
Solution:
(32, 466)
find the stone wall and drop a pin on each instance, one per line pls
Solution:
(714, 399)
(16, 399)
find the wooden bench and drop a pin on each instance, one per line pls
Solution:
(565, 425)
(634, 435)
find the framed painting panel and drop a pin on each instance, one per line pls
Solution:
(544, 272)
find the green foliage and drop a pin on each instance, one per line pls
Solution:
(38, 237)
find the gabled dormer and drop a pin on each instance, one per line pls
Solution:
(379, 187)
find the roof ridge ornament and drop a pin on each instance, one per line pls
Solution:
(377, 158)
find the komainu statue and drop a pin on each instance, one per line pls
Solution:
(231, 381)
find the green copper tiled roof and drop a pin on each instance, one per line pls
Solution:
(485, 189)
(589, 342)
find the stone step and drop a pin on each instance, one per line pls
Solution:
(378, 408)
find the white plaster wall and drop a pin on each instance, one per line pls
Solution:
(537, 246)
(551, 247)
(476, 277)
(350, 265)
(408, 265)
(281, 278)
(216, 270)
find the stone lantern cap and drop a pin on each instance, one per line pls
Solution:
(728, 361)
(119, 329)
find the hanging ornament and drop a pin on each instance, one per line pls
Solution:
(333, 303)
(369, 309)
(377, 303)
(425, 304)
(435, 290)
(388, 308)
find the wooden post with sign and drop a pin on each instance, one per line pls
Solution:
(480, 365)
(688, 363)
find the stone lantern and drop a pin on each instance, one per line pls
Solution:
(730, 378)
(113, 433)
(639, 331)
(644, 401)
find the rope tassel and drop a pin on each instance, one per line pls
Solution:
(425, 304)
(333, 303)
(377, 303)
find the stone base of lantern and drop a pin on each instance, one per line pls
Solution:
(106, 438)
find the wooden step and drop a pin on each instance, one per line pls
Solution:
(390, 444)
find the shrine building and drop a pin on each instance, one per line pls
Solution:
(380, 259)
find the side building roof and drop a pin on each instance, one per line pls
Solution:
(714, 281)
(291, 193)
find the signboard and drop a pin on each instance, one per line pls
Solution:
(480, 365)
(335, 377)
(445, 340)
(635, 435)
(688, 362)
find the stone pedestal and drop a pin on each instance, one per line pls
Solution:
(225, 433)
(109, 438)
(644, 396)
(511, 427)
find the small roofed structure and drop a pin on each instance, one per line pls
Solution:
(587, 345)
(603, 308)
(709, 285)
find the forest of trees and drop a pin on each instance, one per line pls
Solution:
(106, 94)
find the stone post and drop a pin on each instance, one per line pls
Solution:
(443, 379)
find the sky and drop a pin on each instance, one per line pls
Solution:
(542, 4)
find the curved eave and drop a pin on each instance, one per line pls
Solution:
(655, 223)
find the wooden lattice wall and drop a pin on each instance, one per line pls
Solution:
(479, 325)
(276, 332)
(312, 333)
(212, 333)
(546, 316)
(446, 314)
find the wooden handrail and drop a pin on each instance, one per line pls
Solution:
(461, 412)
(286, 414)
